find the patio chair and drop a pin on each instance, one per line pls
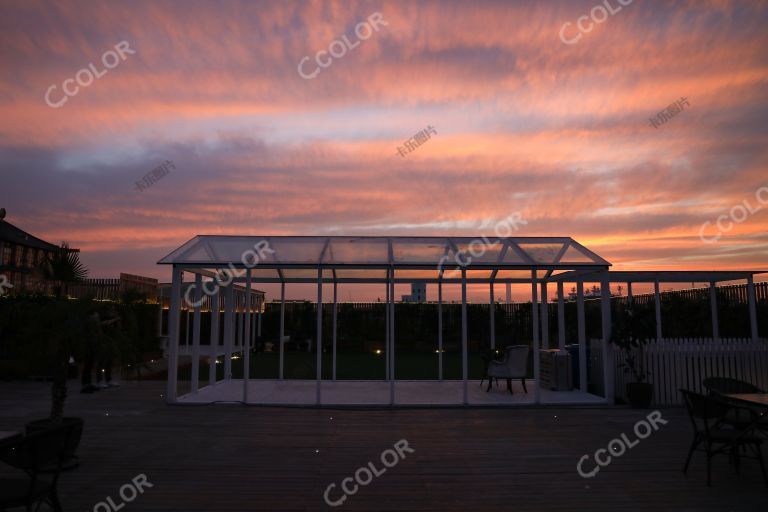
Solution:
(35, 454)
(707, 413)
(487, 356)
(740, 417)
(514, 366)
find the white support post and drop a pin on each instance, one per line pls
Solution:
(386, 331)
(657, 298)
(544, 316)
(752, 304)
(229, 328)
(582, 336)
(247, 336)
(195, 377)
(335, 313)
(187, 330)
(259, 304)
(536, 344)
(214, 343)
(440, 330)
(319, 342)
(464, 333)
(252, 307)
(241, 321)
(282, 328)
(605, 302)
(391, 353)
(713, 310)
(244, 319)
(560, 316)
(174, 315)
(493, 320)
(238, 321)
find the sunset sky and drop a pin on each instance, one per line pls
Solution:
(525, 123)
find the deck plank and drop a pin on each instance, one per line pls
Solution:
(237, 458)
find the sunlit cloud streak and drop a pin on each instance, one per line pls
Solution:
(524, 123)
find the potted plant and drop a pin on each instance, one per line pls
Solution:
(631, 333)
(56, 333)
(53, 334)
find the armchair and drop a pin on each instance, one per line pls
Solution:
(514, 366)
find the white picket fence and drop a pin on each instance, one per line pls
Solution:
(684, 363)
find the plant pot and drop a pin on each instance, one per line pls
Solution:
(71, 460)
(639, 394)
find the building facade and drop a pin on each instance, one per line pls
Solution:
(418, 293)
(21, 255)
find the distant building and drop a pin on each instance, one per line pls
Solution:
(21, 254)
(418, 293)
(115, 289)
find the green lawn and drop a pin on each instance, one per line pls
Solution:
(352, 366)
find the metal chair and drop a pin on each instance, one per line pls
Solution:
(741, 417)
(707, 413)
(514, 366)
(36, 454)
(487, 356)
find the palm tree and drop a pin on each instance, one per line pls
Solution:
(61, 328)
(63, 268)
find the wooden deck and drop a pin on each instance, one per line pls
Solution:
(236, 458)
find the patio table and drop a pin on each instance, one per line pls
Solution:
(757, 402)
(8, 437)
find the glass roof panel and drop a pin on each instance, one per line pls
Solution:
(418, 250)
(513, 256)
(480, 252)
(358, 250)
(282, 251)
(232, 249)
(575, 255)
(542, 253)
(297, 249)
(192, 250)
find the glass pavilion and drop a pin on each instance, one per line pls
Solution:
(220, 262)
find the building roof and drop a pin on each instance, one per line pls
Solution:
(15, 235)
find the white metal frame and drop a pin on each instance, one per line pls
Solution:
(241, 326)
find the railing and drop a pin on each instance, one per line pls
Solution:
(673, 364)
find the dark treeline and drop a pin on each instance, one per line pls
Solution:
(361, 326)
